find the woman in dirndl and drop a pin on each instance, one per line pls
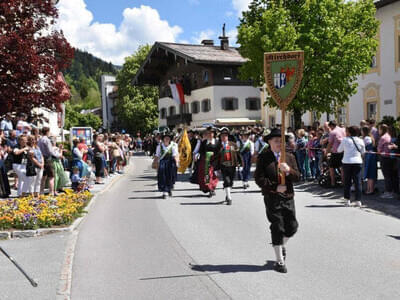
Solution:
(209, 149)
(167, 156)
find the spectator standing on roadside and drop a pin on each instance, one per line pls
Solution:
(37, 158)
(98, 150)
(352, 148)
(370, 160)
(23, 127)
(336, 136)
(4, 183)
(374, 131)
(6, 125)
(48, 153)
(388, 163)
(83, 148)
(20, 156)
(301, 144)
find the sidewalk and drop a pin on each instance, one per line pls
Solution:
(41, 257)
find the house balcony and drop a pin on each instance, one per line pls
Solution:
(174, 120)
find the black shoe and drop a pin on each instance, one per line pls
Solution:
(212, 193)
(209, 195)
(284, 253)
(228, 201)
(281, 268)
(164, 196)
(170, 194)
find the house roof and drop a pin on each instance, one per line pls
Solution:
(382, 3)
(162, 55)
(206, 54)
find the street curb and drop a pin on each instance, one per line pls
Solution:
(65, 282)
(19, 234)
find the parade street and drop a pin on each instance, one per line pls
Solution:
(135, 245)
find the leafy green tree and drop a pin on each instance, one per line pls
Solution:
(73, 118)
(338, 38)
(136, 106)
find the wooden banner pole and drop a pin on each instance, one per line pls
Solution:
(283, 140)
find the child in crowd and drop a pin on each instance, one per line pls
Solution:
(75, 179)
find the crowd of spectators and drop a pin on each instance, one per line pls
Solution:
(39, 164)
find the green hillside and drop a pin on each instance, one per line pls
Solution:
(84, 79)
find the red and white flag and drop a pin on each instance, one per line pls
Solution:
(177, 92)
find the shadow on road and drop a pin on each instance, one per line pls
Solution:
(396, 237)
(145, 198)
(324, 206)
(177, 276)
(234, 268)
(389, 207)
(204, 203)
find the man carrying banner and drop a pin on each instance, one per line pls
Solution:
(278, 198)
(228, 161)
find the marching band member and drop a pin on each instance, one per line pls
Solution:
(228, 161)
(207, 179)
(246, 147)
(278, 198)
(167, 156)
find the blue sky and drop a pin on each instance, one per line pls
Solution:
(114, 29)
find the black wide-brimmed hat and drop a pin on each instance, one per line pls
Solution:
(224, 130)
(275, 132)
(167, 133)
(211, 129)
(246, 132)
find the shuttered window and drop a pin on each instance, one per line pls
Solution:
(172, 111)
(253, 104)
(206, 105)
(195, 107)
(230, 103)
(163, 113)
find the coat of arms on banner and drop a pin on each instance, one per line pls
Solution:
(283, 74)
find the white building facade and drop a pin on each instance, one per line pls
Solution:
(108, 97)
(378, 93)
(218, 105)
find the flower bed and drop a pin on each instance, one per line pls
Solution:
(43, 212)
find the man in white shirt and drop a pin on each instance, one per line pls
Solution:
(6, 125)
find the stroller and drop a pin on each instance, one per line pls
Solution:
(324, 179)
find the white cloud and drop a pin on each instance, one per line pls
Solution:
(140, 25)
(240, 5)
(208, 34)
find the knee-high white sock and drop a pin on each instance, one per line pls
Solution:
(285, 240)
(228, 192)
(278, 254)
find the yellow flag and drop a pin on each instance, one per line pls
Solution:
(185, 153)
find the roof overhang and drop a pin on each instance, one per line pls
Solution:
(170, 56)
(382, 3)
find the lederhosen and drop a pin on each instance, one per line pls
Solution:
(280, 208)
(228, 163)
(246, 160)
(167, 170)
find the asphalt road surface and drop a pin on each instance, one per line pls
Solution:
(135, 245)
